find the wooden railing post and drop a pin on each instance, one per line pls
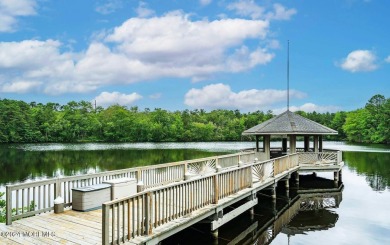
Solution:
(273, 168)
(148, 213)
(57, 188)
(250, 169)
(139, 175)
(9, 205)
(216, 188)
(105, 224)
(185, 170)
(289, 162)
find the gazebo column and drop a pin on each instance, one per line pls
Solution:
(257, 143)
(267, 146)
(293, 144)
(315, 143)
(320, 143)
(306, 143)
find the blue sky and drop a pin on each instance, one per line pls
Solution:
(210, 54)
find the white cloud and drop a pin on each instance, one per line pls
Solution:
(388, 59)
(359, 61)
(108, 6)
(308, 107)
(281, 13)
(219, 95)
(20, 86)
(35, 65)
(10, 10)
(140, 49)
(249, 8)
(273, 44)
(155, 96)
(243, 58)
(106, 99)
(142, 10)
(205, 2)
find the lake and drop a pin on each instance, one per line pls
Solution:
(357, 214)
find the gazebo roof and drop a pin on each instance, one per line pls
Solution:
(289, 123)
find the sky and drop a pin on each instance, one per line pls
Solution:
(196, 54)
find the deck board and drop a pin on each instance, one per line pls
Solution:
(70, 227)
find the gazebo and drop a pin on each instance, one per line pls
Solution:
(288, 125)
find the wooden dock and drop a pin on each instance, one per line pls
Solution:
(69, 227)
(170, 198)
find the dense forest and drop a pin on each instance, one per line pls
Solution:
(80, 122)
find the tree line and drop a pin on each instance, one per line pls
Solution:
(22, 122)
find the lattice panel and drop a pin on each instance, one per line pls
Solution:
(316, 203)
(202, 168)
(262, 171)
(318, 158)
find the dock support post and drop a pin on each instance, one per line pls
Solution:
(274, 210)
(214, 233)
(336, 176)
(336, 179)
(273, 192)
(252, 213)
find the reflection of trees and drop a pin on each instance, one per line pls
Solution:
(373, 165)
(17, 165)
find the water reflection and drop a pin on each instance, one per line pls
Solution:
(19, 164)
(374, 166)
(295, 212)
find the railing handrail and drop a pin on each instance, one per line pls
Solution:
(156, 166)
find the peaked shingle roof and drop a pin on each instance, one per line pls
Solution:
(289, 123)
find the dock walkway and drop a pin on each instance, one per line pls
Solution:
(173, 197)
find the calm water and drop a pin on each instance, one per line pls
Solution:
(361, 216)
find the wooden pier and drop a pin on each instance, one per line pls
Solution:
(171, 198)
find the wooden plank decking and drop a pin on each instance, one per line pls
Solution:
(70, 227)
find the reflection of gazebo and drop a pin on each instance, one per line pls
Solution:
(289, 125)
(311, 220)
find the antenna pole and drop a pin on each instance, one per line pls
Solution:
(288, 75)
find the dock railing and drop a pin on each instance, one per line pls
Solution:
(28, 199)
(140, 214)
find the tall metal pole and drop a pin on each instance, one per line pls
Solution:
(288, 75)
